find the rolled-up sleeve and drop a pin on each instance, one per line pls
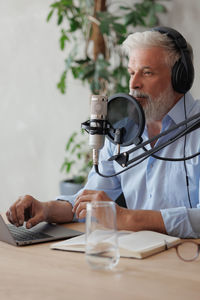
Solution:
(178, 222)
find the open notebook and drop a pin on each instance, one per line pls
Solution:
(131, 244)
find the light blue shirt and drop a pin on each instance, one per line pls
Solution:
(155, 184)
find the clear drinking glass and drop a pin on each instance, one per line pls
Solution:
(101, 235)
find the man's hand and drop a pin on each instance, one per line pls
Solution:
(85, 197)
(27, 209)
(89, 196)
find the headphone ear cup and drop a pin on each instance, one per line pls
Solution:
(183, 70)
(180, 78)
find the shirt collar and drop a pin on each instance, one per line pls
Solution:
(177, 113)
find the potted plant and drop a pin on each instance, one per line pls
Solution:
(76, 164)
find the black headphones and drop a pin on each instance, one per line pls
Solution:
(183, 70)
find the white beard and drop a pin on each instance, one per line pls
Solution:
(155, 109)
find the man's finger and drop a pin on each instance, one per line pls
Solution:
(13, 215)
(82, 214)
(21, 206)
(79, 199)
(80, 207)
(34, 221)
(20, 212)
(8, 215)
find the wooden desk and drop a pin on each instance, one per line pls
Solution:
(36, 272)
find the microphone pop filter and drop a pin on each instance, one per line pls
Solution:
(125, 113)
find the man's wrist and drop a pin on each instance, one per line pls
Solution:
(125, 219)
(135, 220)
(46, 211)
(58, 211)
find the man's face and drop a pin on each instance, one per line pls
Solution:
(150, 82)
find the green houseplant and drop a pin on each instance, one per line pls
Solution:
(91, 32)
(76, 164)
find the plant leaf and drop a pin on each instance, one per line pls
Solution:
(159, 8)
(50, 15)
(60, 19)
(70, 140)
(61, 84)
(119, 28)
(63, 39)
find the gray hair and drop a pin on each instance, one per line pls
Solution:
(148, 39)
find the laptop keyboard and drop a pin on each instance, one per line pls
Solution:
(23, 234)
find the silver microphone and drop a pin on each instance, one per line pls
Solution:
(98, 112)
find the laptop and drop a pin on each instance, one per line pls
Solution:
(43, 232)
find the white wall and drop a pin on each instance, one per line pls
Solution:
(35, 119)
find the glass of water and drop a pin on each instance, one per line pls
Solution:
(101, 235)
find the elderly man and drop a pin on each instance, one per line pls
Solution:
(160, 195)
